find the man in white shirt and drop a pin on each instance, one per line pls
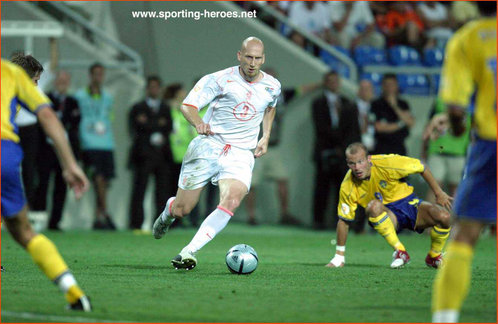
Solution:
(354, 24)
(238, 99)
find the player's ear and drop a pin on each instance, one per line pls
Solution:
(239, 55)
(263, 61)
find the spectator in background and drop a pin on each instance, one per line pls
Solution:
(311, 16)
(149, 124)
(271, 166)
(67, 110)
(354, 24)
(402, 25)
(180, 137)
(436, 21)
(335, 120)
(392, 119)
(97, 141)
(445, 154)
(299, 40)
(363, 102)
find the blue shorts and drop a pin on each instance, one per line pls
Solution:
(476, 195)
(406, 211)
(13, 199)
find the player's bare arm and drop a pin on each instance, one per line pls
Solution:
(442, 198)
(262, 146)
(339, 259)
(73, 175)
(192, 116)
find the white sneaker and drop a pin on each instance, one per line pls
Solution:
(160, 226)
(400, 258)
(185, 260)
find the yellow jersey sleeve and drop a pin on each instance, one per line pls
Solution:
(457, 84)
(348, 199)
(469, 74)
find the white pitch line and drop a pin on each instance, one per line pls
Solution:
(57, 318)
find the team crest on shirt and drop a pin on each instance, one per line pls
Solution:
(383, 184)
(244, 111)
(345, 208)
(270, 90)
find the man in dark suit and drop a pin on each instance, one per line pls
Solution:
(67, 109)
(335, 119)
(392, 119)
(150, 125)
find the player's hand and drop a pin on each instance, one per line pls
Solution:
(203, 129)
(444, 200)
(76, 179)
(261, 148)
(338, 261)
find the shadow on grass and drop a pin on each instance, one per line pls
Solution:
(353, 265)
(138, 266)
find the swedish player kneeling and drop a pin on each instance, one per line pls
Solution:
(377, 183)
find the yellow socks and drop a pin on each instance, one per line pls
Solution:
(452, 281)
(46, 256)
(385, 227)
(438, 238)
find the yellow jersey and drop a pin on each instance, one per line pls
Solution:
(17, 89)
(468, 77)
(386, 183)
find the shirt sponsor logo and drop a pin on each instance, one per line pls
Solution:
(383, 184)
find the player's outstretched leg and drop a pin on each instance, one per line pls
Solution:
(212, 225)
(44, 253)
(164, 221)
(46, 256)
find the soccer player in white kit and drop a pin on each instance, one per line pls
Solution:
(239, 99)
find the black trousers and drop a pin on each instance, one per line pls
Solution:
(159, 169)
(327, 176)
(48, 165)
(30, 141)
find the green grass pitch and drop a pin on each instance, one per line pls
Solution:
(129, 278)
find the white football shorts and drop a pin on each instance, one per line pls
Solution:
(207, 159)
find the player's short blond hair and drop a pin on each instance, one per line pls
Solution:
(354, 148)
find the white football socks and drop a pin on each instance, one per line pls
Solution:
(166, 214)
(445, 316)
(212, 225)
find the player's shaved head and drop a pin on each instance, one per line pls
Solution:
(252, 41)
(356, 147)
(251, 57)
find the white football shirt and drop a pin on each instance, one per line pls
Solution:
(236, 106)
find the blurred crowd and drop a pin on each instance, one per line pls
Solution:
(348, 24)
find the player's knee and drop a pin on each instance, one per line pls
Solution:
(231, 203)
(444, 218)
(179, 211)
(374, 208)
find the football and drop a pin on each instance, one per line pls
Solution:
(241, 259)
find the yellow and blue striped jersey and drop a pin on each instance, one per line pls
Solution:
(386, 183)
(469, 74)
(17, 89)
